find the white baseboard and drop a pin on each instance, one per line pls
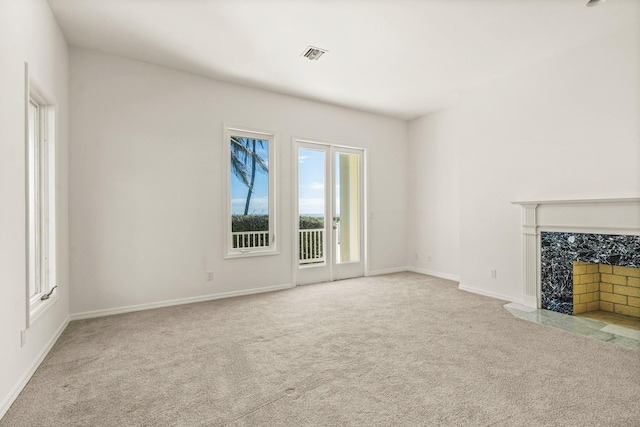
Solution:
(387, 271)
(434, 273)
(17, 389)
(488, 294)
(190, 300)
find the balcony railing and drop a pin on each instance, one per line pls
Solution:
(250, 239)
(311, 248)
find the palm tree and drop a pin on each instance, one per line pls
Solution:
(244, 163)
(238, 159)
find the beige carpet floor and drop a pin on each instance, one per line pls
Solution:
(396, 350)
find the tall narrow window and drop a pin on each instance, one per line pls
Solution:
(40, 155)
(250, 222)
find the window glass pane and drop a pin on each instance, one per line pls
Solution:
(249, 192)
(311, 206)
(41, 184)
(347, 216)
(32, 178)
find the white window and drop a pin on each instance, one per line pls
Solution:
(250, 207)
(41, 241)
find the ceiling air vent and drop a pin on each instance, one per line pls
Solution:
(313, 53)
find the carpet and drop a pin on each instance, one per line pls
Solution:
(396, 350)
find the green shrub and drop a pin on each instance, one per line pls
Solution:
(249, 223)
(311, 222)
(261, 223)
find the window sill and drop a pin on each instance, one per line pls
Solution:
(312, 265)
(235, 255)
(38, 307)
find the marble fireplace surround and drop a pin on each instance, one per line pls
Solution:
(616, 217)
(558, 252)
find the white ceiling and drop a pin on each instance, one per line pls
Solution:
(401, 58)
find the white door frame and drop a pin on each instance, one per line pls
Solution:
(329, 147)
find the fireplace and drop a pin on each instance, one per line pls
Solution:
(602, 232)
(590, 272)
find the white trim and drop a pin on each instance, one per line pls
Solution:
(325, 143)
(434, 273)
(17, 389)
(488, 294)
(570, 202)
(169, 303)
(45, 180)
(330, 148)
(595, 216)
(27, 248)
(321, 272)
(365, 207)
(531, 301)
(350, 269)
(251, 253)
(626, 231)
(272, 138)
(41, 306)
(460, 286)
(296, 217)
(387, 271)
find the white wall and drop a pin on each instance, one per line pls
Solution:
(146, 181)
(434, 195)
(28, 33)
(565, 128)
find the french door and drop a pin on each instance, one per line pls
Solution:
(330, 212)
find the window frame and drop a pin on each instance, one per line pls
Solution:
(40, 201)
(272, 139)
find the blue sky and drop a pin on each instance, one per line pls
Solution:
(311, 190)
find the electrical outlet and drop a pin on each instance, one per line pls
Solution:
(415, 255)
(428, 257)
(210, 276)
(23, 338)
(494, 274)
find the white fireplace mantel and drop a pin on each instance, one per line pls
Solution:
(592, 216)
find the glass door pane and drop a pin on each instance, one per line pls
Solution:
(311, 207)
(347, 208)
